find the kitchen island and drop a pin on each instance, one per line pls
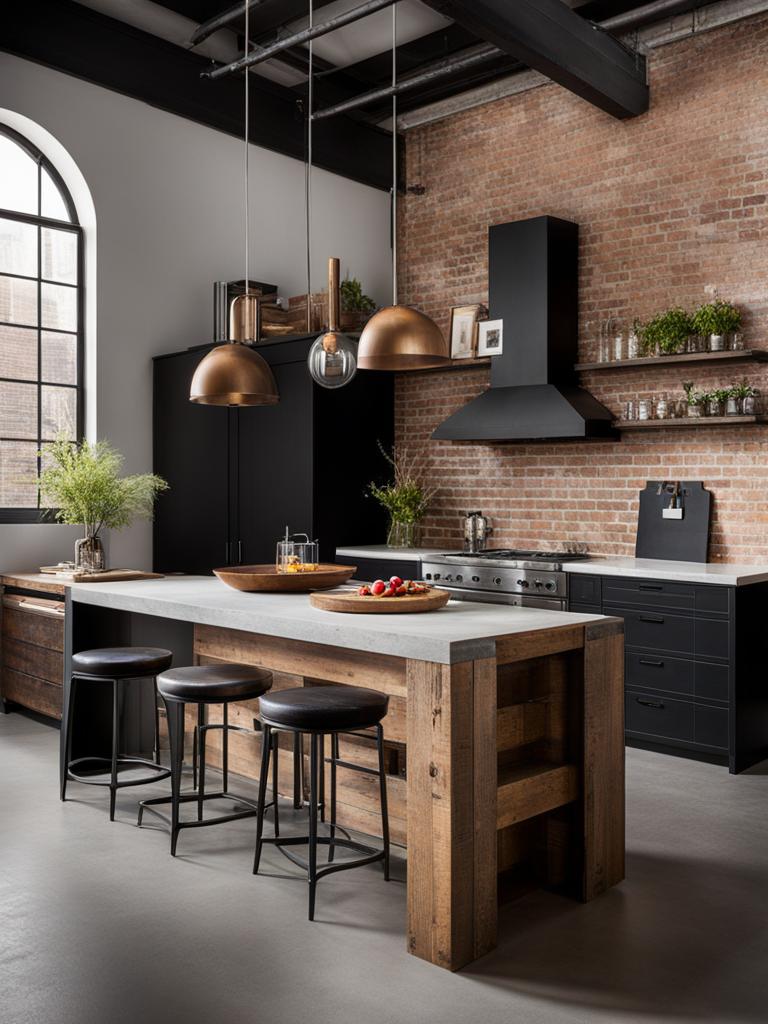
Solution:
(504, 732)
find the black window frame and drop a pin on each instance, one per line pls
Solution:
(38, 514)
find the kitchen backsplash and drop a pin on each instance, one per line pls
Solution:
(677, 196)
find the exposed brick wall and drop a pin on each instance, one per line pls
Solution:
(671, 206)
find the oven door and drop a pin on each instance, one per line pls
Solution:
(556, 604)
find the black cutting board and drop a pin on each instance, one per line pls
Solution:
(677, 540)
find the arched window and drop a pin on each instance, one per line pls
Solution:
(41, 321)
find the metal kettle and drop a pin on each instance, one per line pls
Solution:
(477, 528)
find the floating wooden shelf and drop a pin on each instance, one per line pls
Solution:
(525, 790)
(755, 355)
(456, 364)
(688, 421)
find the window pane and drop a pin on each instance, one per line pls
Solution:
(18, 474)
(18, 410)
(18, 353)
(59, 305)
(18, 248)
(59, 413)
(18, 301)
(53, 204)
(59, 252)
(18, 182)
(59, 358)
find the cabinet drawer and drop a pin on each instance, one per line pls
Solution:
(712, 681)
(659, 716)
(34, 621)
(652, 593)
(33, 661)
(659, 631)
(585, 590)
(39, 695)
(370, 569)
(677, 675)
(711, 725)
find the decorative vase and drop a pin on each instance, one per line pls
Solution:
(716, 342)
(732, 406)
(402, 535)
(89, 554)
(694, 410)
(749, 405)
(714, 407)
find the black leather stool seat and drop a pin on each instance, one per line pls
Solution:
(324, 708)
(121, 662)
(214, 684)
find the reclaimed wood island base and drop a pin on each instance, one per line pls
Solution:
(505, 746)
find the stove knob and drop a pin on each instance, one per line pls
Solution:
(436, 576)
(523, 583)
(428, 576)
(538, 583)
(497, 580)
(448, 577)
(475, 579)
(459, 579)
(551, 585)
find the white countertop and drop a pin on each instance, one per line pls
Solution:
(723, 573)
(462, 631)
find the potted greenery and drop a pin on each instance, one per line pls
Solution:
(744, 395)
(81, 486)
(715, 401)
(717, 321)
(406, 498)
(667, 333)
(694, 399)
(356, 306)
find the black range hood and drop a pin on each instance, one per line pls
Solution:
(534, 392)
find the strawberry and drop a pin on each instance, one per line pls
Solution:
(378, 588)
(395, 582)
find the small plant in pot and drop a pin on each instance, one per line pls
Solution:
(666, 334)
(744, 396)
(81, 486)
(717, 321)
(694, 399)
(356, 306)
(715, 401)
(406, 498)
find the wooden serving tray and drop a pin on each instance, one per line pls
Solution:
(349, 601)
(266, 578)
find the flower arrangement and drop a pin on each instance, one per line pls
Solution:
(406, 497)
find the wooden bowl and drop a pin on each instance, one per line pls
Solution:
(266, 578)
(351, 601)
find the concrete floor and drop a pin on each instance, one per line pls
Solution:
(99, 925)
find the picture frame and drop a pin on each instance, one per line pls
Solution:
(490, 338)
(464, 320)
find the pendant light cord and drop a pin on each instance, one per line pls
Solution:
(245, 140)
(394, 155)
(308, 172)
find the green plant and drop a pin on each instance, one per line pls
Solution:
(743, 390)
(353, 299)
(406, 498)
(668, 332)
(716, 317)
(82, 484)
(693, 397)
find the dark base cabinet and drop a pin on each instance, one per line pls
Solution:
(239, 476)
(694, 663)
(370, 569)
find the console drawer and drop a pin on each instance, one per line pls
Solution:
(32, 661)
(39, 695)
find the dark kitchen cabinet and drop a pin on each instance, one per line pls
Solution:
(239, 476)
(694, 664)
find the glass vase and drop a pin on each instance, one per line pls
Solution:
(89, 554)
(402, 535)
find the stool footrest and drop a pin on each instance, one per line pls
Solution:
(347, 844)
(151, 804)
(157, 771)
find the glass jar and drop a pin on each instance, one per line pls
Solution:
(662, 408)
(736, 341)
(644, 409)
(89, 554)
(714, 407)
(732, 406)
(633, 345)
(716, 342)
(628, 411)
(749, 405)
(402, 535)
(618, 346)
(297, 553)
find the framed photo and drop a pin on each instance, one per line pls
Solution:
(490, 338)
(464, 330)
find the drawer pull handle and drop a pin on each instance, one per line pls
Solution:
(653, 662)
(650, 586)
(29, 606)
(652, 618)
(656, 704)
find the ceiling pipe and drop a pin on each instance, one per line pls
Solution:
(441, 69)
(207, 28)
(640, 15)
(298, 38)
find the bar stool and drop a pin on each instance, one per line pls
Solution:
(320, 711)
(114, 665)
(203, 685)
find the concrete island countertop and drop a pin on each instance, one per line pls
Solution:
(462, 631)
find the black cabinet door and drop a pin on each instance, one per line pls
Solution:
(190, 452)
(275, 468)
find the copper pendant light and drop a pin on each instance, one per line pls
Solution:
(398, 337)
(233, 373)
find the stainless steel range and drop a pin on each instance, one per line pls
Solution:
(504, 576)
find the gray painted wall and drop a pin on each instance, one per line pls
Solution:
(168, 198)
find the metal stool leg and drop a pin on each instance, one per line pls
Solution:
(175, 714)
(157, 721)
(334, 759)
(266, 742)
(314, 767)
(194, 758)
(225, 748)
(68, 737)
(115, 741)
(201, 720)
(276, 812)
(298, 772)
(383, 797)
(321, 779)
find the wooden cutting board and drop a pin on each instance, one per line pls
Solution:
(110, 576)
(351, 601)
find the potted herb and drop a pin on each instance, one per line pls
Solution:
(715, 400)
(406, 498)
(356, 306)
(694, 399)
(667, 333)
(745, 395)
(717, 321)
(81, 486)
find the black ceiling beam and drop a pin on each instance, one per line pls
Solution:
(551, 38)
(91, 46)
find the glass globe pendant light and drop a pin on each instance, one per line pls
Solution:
(332, 360)
(399, 337)
(233, 373)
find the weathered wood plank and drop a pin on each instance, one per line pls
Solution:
(39, 695)
(485, 785)
(530, 789)
(538, 644)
